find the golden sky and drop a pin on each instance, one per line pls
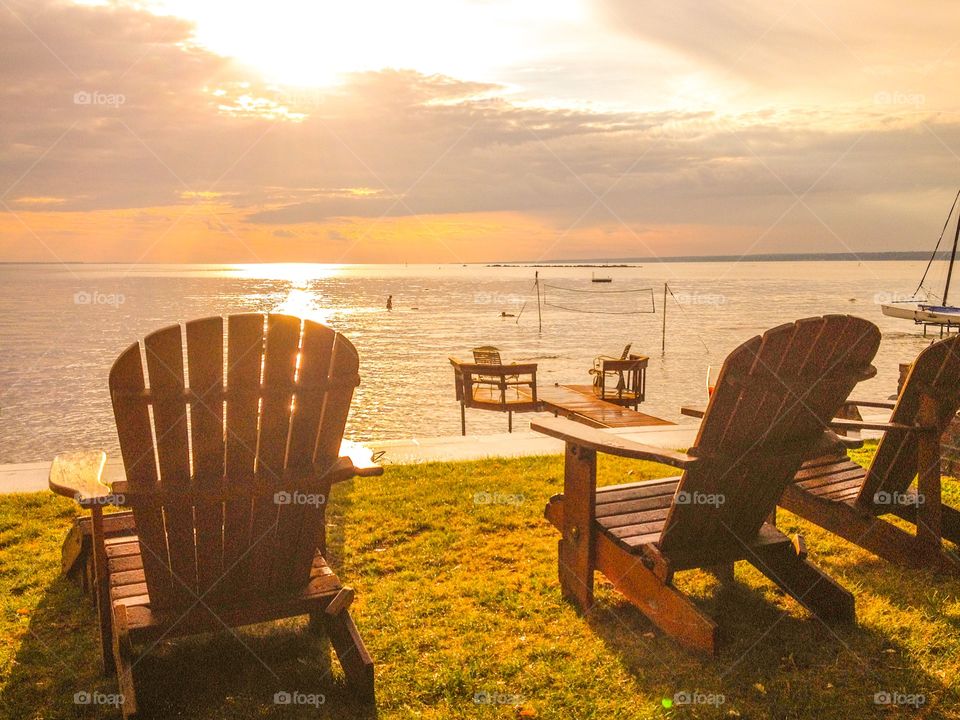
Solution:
(473, 130)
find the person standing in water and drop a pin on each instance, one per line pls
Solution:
(390, 302)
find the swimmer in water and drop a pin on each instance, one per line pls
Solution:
(390, 302)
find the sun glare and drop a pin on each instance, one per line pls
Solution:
(313, 44)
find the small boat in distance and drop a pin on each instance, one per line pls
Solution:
(924, 312)
(594, 278)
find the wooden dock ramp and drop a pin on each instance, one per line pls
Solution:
(578, 402)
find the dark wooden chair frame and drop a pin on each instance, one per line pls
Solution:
(837, 494)
(501, 381)
(283, 434)
(781, 390)
(630, 375)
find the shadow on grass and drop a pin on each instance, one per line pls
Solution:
(277, 669)
(834, 670)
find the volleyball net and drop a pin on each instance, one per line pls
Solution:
(632, 301)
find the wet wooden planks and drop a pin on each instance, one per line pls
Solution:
(577, 402)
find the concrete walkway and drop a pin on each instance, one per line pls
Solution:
(32, 477)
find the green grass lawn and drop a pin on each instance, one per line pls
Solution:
(457, 600)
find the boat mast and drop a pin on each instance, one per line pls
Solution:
(953, 257)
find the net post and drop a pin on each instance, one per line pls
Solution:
(663, 331)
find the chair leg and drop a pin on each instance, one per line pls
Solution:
(101, 583)
(123, 652)
(788, 568)
(354, 659)
(664, 605)
(723, 572)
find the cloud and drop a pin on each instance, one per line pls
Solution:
(163, 128)
(815, 49)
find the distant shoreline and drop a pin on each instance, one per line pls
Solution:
(762, 257)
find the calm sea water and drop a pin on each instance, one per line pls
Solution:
(62, 326)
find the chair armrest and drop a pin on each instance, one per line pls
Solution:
(863, 425)
(605, 442)
(361, 457)
(870, 403)
(78, 475)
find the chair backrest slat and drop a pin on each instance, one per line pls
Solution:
(894, 467)
(342, 377)
(315, 358)
(288, 393)
(244, 361)
(136, 446)
(205, 371)
(164, 352)
(774, 396)
(279, 368)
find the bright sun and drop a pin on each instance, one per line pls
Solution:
(313, 43)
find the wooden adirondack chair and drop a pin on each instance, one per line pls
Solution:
(229, 499)
(775, 395)
(848, 500)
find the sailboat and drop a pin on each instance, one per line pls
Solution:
(924, 311)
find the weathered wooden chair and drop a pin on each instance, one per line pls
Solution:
(228, 484)
(775, 394)
(492, 386)
(848, 500)
(623, 380)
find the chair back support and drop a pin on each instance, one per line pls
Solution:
(774, 396)
(486, 355)
(936, 373)
(626, 351)
(220, 436)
